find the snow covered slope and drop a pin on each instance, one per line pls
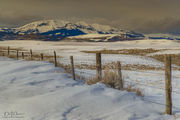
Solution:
(38, 91)
(41, 26)
(50, 25)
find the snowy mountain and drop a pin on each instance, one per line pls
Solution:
(51, 25)
(60, 29)
(40, 26)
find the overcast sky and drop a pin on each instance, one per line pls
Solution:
(146, 16)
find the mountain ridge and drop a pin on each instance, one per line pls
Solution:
(60, 29)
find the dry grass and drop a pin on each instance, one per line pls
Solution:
(131, 67)
(110, 79)
(124, 67)
(86, 66)
(136, 90)
(141, 52)
(92, 80)
(175, 58)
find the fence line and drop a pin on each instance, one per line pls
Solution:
(168, 75)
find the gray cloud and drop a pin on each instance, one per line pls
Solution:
(13, 19)
(167, 25)
(145, 16)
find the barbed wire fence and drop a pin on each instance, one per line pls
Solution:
(96, 68)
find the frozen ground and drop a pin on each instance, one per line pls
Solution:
(39, 91)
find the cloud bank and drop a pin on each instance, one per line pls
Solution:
(146, 16)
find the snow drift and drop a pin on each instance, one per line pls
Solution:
(39, 91)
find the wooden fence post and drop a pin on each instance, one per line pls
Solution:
(55, 59)
(168, 85)
(72, 67)
(17, 54)
(98, 66)
(42, 56)
(22, 55)
(8, 50)
(31, 54)
(120, 80)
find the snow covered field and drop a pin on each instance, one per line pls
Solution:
(32, 90)
(39, 91)
(66, 49)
